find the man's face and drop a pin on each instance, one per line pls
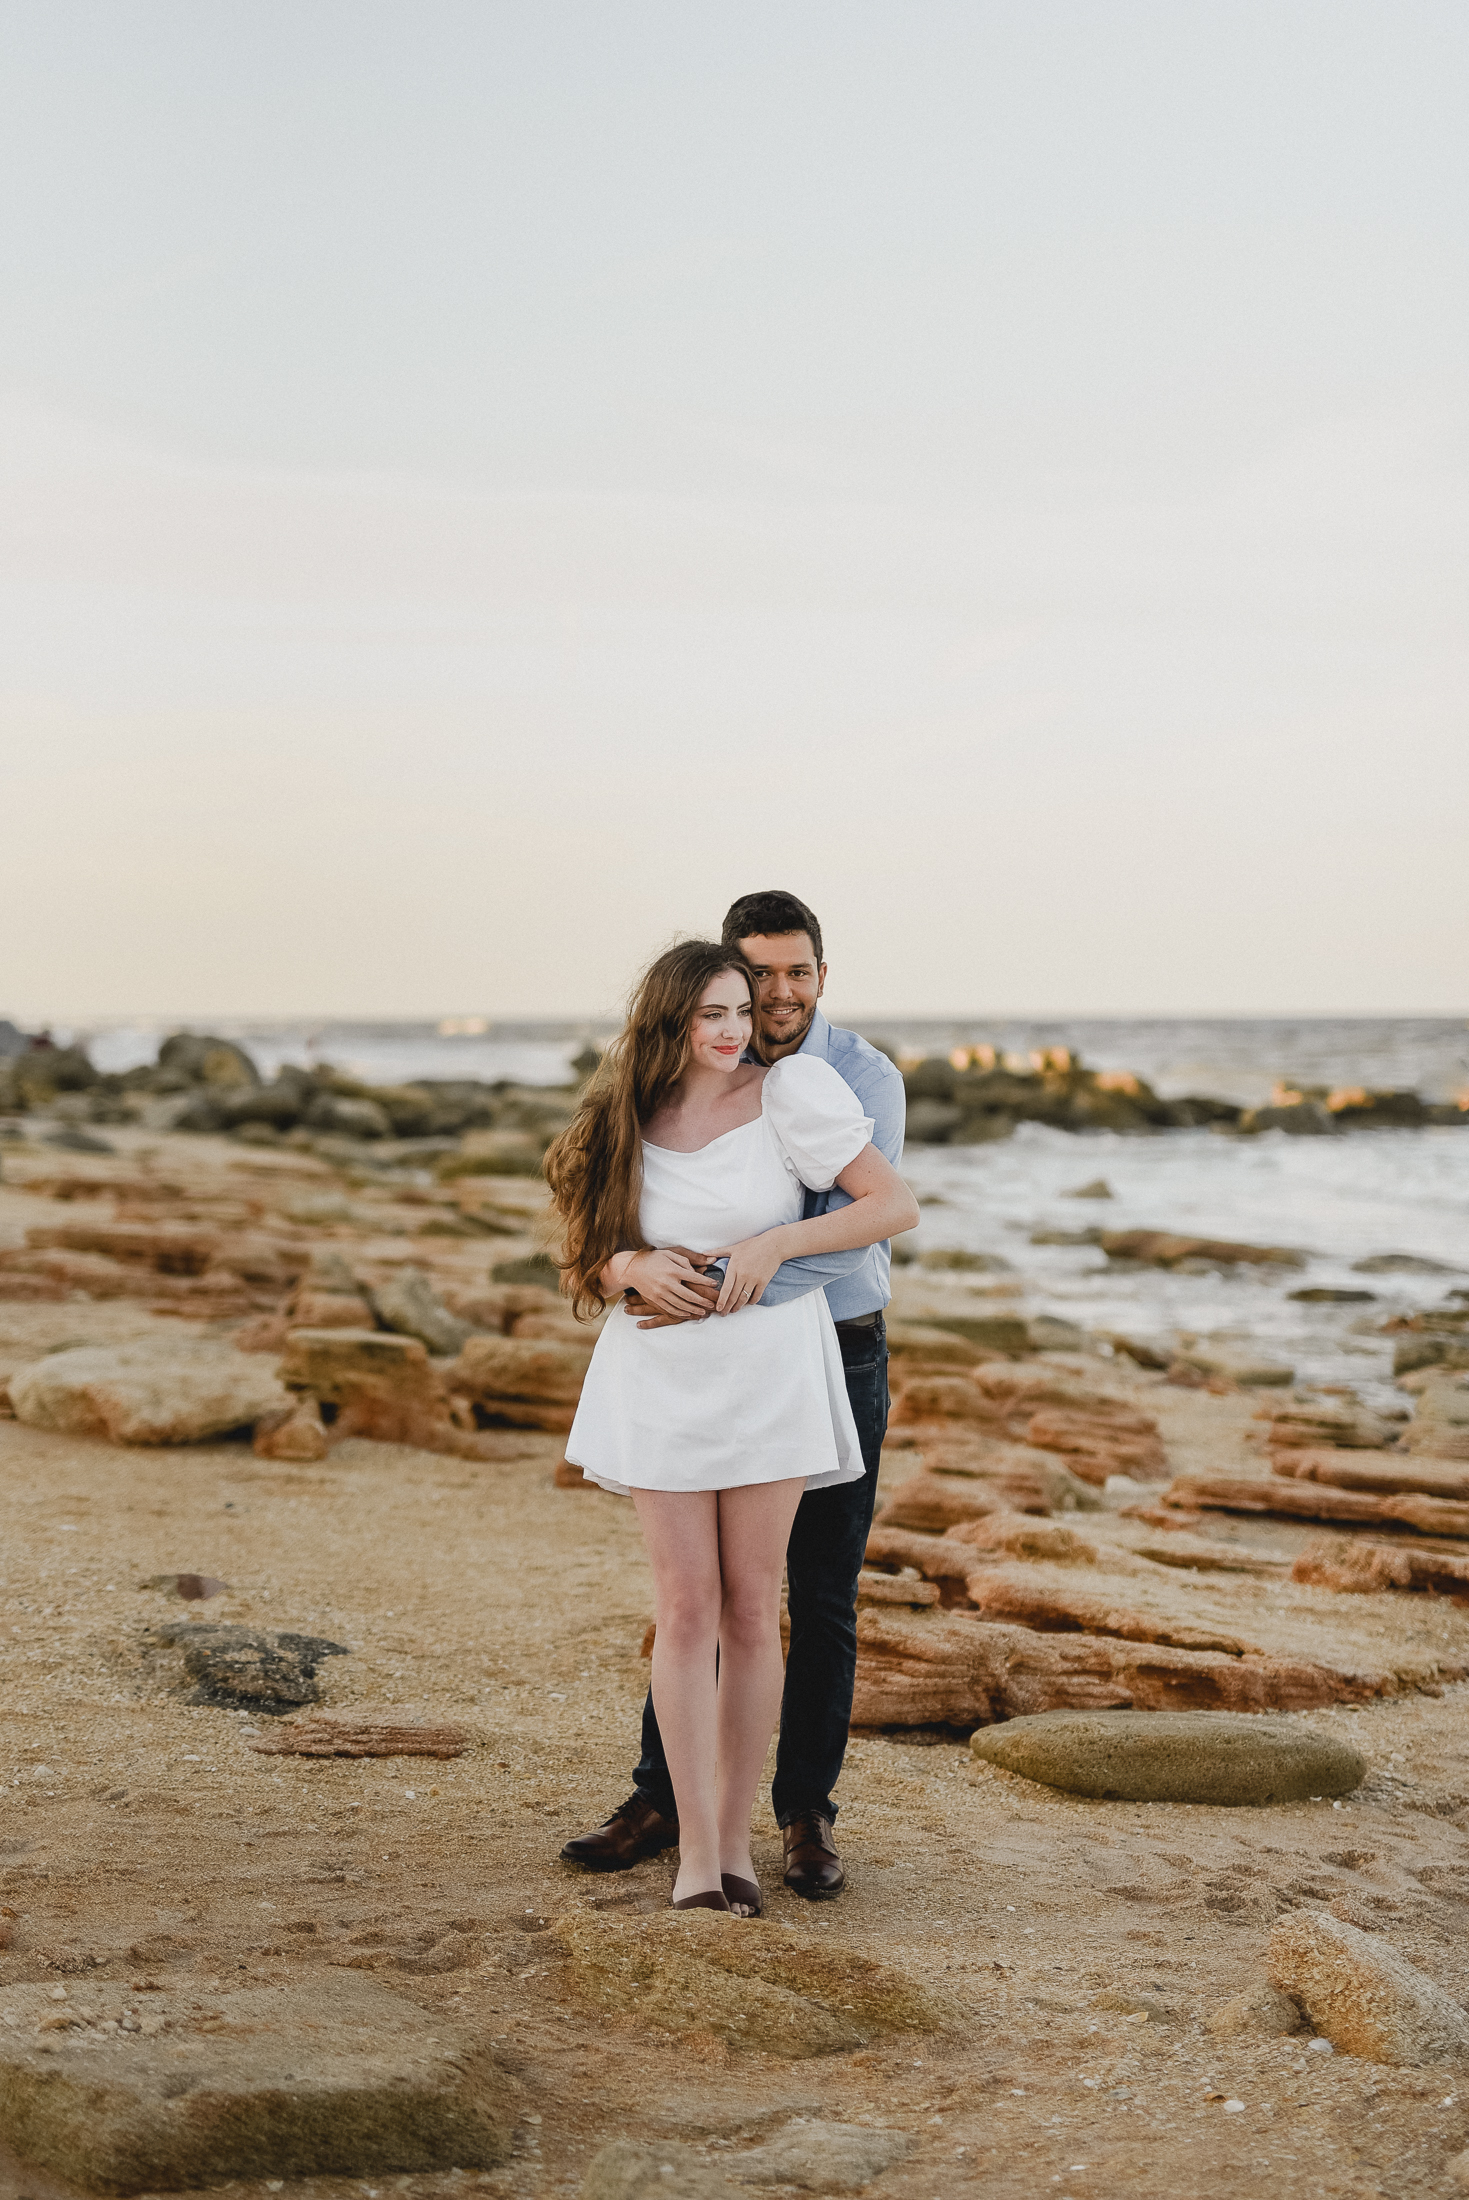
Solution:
(790, 982)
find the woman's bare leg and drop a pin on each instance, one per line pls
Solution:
(681, 1530)
(754, 1528)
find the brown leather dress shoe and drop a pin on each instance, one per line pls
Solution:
(813, 1867)
(637, 1830)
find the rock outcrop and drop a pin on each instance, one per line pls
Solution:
(1351, 1565)
(1048, 1616)
(754, 1984)
(1361, 1994)
(409, 1305)
(181, 1392)
(977, 1095)
(1094, 1433)
(1439, 1428)
(369, 1383)
(333, 2076)
(1295, 1499)
(1166, 1249)
(1318, 1426)
(1383, 1472)
(955, 1668)
(515, 1382)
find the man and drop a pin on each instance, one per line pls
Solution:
(782, 941)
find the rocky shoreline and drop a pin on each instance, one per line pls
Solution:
(210, 1085)
(974, 1096)
(317, 1650)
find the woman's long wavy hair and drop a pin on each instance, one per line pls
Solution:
(595, 1168)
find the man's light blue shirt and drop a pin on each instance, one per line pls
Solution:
(855, 1282)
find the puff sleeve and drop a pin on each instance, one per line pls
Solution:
(816, 1118)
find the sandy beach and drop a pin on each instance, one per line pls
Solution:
(1069, 1961)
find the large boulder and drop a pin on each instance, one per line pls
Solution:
(337, 1115)
(198, 1058)
(1173, 1757)
(179, 1392)
(371, 1384)
(35, 1077)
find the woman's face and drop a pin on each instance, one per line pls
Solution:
(721, 1026)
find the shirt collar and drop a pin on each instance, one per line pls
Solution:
(818, 1038)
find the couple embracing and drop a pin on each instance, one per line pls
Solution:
(731, 1175)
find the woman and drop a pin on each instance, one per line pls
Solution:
(715, 1427)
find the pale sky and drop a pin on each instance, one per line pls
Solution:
(481, 485)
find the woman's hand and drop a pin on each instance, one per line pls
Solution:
(667, 1281)
(752, 1263)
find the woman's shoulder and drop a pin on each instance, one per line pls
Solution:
(804, 1083)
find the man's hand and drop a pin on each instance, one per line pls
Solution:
(634, 1303)
(669, 1288)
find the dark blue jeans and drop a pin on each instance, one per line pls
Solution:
(823, 1560)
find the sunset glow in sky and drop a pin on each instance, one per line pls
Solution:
(481, 486)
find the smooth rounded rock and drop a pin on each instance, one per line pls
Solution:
(1173, 1756)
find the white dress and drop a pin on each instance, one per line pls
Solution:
(757, 1396)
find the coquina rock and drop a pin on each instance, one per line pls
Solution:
(1361, 1994)
(1297, 1500)
(368, 1383)
(1439, 1428)
(955, 1668)
(332, 2076)
(1317, 1427)
(1166, 1249)
(178, 1392)
(521, 1382)
(1381, 1473)
(1174, 1757)
(753, 1983)
(1027, 1480)
(1350, 1564)
(409, 1304)
(1095, 1433)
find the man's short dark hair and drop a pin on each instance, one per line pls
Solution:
(772, 913)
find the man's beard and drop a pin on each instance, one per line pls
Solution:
(794, 1032)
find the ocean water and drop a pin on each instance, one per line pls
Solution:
(1235, 1058)
(1338, 1199)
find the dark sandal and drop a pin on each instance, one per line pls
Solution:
(710, 1899)
(743, 1890)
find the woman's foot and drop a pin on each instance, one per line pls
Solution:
(697, 1880)
(737, 1877)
